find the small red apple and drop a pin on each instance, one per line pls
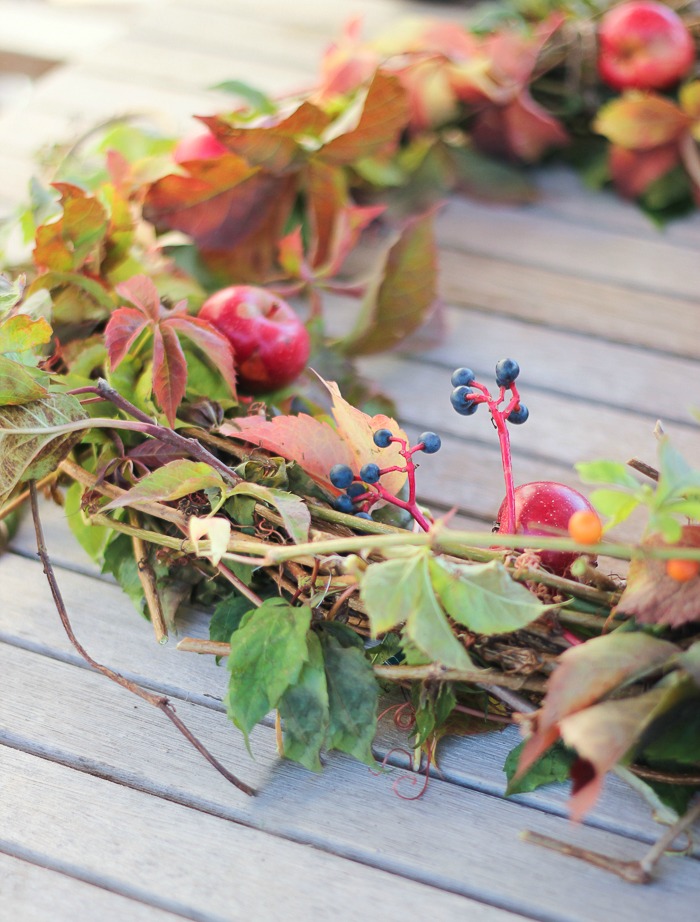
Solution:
(270, 342)
(643, 45)
(201, 146)
(544, 508)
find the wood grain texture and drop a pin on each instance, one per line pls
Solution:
(32, 893)
(195, 863)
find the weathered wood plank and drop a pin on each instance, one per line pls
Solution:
(321, 811)
(523, 235)
(559, 301)
(36, 894)
(199, 864)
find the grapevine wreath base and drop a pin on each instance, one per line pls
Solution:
(154, 378)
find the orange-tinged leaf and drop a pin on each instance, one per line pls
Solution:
(21, 332)
(169, 370)
(317, 446)
(68, 242)
(326, 192)
(312, 443)
(689, 98)
(640, 121)
(403, 294)
(382, 116)
(273, 145)
(653, 597)
(633, 171)
(140, 291)
(357, 430)
(602, 735)
(585, 673)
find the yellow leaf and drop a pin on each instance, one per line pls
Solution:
(640, 121)
(217, 530)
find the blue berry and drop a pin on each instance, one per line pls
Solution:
(519, 415)
(462, 376)
(344, 503)
(370, 473)
(341, 476)
(363, 515)
(431, 442)
(462, 402)
(356, 489)
(382, 438)
(507, 370)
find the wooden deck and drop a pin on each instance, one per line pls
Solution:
(105, 812)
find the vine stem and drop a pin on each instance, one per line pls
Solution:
(158, 701)
(639, 871)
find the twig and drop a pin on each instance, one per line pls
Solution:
(636, 872)
(158, 701)
(22, 497)
(643, 468)
(663, 777)
(239, 585)
(147, 579)
(199, 645)
(435, 673)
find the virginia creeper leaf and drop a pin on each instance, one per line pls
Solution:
(353, 693)
(31, 456)
(403, 294)
(172, 481)
(22, 333)
(17, 385)
(294, 512)
(268, 652)
(483, 597)
(641, 121)
(552, 766)
(400, 591)
(65, 244)
(305, 709)
(169, 370)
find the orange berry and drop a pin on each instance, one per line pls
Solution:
(682, 570)
(585, 527)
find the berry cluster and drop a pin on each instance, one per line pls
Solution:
(363, 492)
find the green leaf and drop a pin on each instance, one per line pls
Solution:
(675, 737)
(21, 333)
(32, 456)
(676, 476)
(255, 98)
(401, 590)
(17, 385)
(294, 512)
(119, 560)
(615, 505)
(483, 597)
(92, 538)
(608, 472)
(227, 617)
(401, 296)
(305, 709)
(551, 767)
(172, 481)
(10, 293)
(268, 652)
(353, 693)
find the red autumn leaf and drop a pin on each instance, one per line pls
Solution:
(169, 370)
(275, 145)
(520, 129)
(381, 117)
(67, 243)
(653, 597)
(584, 675)
(633, 171)
(641, 121)
(317, 446)
(166, 326)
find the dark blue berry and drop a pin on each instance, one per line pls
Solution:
(382, 438)
(519, 415)
(370, 473)
(363, 515)
(356, 489)
(507, 370)
(344, 503)
(462, 402)
(341, 476)
(431, 442)
(462, 376)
